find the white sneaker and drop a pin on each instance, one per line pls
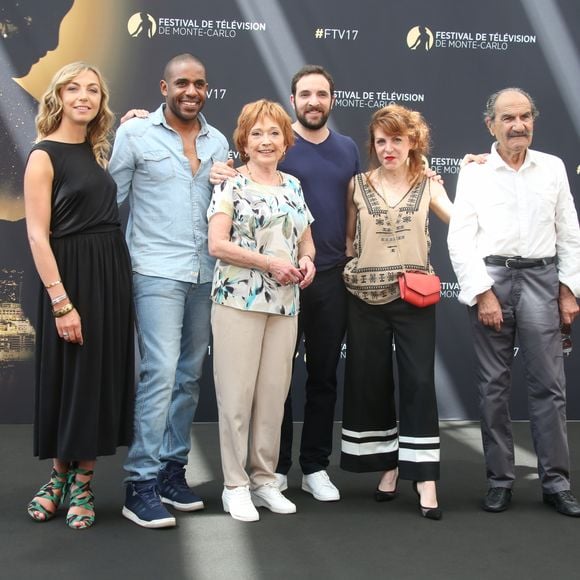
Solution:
(320, 486)
(281, 481)
(238, 502)
(269, 496)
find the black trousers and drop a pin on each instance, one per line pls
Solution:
(371, 440)
(322, 322)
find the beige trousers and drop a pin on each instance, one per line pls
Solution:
(252, 366)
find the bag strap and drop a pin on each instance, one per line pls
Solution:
(394, 231)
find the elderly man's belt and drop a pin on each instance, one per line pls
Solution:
(518, 262)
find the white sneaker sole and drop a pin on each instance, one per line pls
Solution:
(162, 523)
(259, 502)
(334, 497)
(241, 518)
(183, 507)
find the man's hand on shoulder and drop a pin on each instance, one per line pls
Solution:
(489, 310)
(477, 158)
(221, 171)
(131, 113)
(432, 175)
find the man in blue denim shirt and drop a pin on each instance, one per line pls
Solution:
(161, 165)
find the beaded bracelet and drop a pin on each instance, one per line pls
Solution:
(52, 284)
(64, 310)
(58, 299)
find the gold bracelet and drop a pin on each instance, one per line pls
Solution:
(52, 284)
(306, 256)
(64, 310)
(267, 263)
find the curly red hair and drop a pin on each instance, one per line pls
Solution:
(396, 120)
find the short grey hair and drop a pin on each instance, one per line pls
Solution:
(489, 112)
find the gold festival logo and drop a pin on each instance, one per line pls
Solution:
(142, 25)
(420, 37)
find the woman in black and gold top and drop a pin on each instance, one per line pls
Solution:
(388, 233)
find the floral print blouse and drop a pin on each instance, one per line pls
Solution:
(267, 219)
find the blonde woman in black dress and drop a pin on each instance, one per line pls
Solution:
(84, 351)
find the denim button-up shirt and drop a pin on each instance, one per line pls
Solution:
(167, 227)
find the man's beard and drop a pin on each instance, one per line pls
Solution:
(301, 118)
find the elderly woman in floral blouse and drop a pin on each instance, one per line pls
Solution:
(259, 229)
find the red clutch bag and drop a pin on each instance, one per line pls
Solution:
(419, 289)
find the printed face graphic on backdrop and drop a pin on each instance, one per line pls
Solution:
(29, 29)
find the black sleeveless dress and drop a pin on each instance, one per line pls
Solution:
(84, 394)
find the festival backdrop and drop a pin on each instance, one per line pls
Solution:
(441, 57)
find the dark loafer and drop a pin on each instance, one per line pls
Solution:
(563, 502)
(497, 499)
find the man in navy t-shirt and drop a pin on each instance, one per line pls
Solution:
(324, 161)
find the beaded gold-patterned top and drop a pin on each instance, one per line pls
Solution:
(380, 257)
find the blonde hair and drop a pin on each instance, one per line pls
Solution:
(49, 116)
(257, 111)
(396, 120)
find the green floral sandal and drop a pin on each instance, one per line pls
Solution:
(81, 496)
(54, 491)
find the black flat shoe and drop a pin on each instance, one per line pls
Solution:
(429, 513)
(381, 495)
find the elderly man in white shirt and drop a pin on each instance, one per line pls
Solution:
(514, 242)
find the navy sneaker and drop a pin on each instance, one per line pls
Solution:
(173, 488)
(143, 505)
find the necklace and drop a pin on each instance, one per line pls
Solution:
(382, 194)
(278, 175)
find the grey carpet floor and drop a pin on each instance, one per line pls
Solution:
(355, 538)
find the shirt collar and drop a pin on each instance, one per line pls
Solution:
(496, 162)
(158, 118)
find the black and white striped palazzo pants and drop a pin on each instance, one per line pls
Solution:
(371, 440)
